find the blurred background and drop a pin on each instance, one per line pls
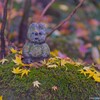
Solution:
(79, 38)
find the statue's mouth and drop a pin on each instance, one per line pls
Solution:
(36, 38)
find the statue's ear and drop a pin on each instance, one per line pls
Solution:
(33, 26)
(42, 26)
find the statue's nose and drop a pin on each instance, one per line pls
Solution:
(36, 33)
(36, 38)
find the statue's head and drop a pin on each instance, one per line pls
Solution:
(37, 33)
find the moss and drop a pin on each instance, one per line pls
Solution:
(63, 45)
(71, 84)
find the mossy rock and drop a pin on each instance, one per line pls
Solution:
(63, 44)
(71, 84)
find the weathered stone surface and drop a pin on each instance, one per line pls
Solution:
(36, 49)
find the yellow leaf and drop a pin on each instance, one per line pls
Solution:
(3, 61)
(20, 52)
(17, 60)
(36, 84)
(98, 73)
(1, 97)
(24, 72)
(54, 60)
(28, 65)
(13, 50)
(89, 72)
(92, 72)
(16, 70)
(96, 78)
(93, 69)
(78, 63)
(54, 53)
(63, 62)
(52, 66)
(83, 72)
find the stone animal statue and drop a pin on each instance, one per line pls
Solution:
(35, 49)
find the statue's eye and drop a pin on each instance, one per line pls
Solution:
(40, 33)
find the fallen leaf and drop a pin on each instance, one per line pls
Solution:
(51, 60)
(61, 55)
(55, 88)
(36, 84)
(82, 72)
(96, 78)
(54, 60)
(28, 65)
(63, 62)
(17, 60)
(54, 53)
(44, 62)
(91, 73)
(13, 50)
(16, 70)
(24, 72)
(3, 61)
(52, 66)
(78, 63)
(20, 52)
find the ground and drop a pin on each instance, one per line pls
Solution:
(69, 82)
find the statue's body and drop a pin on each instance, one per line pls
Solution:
(35, 49)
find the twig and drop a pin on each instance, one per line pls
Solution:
(3, 53)
(45, 9)
(68, 18)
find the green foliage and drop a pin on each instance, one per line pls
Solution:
(71, 84)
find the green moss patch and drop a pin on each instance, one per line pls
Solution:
(71, 84)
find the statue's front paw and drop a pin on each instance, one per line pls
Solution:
(45, 55)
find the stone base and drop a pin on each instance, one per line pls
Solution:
(29, 60)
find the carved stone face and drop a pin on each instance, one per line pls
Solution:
(37, 33)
